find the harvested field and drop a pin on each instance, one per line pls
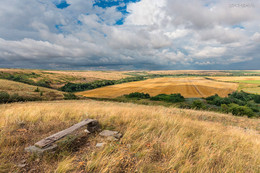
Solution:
(238, 79)
(188, 87)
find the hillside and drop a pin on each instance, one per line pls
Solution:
(29, 91)
(155, 139)
(56, 79)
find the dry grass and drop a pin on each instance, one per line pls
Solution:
(100, 75)
(188, 87)
(29, 91)
(156, 139)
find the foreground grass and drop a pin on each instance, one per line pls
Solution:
(156, 139)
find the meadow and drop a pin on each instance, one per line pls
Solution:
(189, 87)
(155, 139)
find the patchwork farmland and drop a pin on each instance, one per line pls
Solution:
(188, 87)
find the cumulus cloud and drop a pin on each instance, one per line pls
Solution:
(155, 34)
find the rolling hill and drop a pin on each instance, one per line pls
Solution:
(155, 139)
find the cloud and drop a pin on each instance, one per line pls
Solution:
(155, 35)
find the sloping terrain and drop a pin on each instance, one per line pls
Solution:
(29, 91)
(155, 139)
(188, 87)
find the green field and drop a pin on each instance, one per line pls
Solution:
(249, 81)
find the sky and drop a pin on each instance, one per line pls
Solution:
(130, 34)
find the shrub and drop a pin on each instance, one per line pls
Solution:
(240, 110)
(198, 104)
(173, 98)
(37, 90)
(44, 83)
(4, 97)
(224, 108)
(70, 96)
(257, 98)
(138, 95)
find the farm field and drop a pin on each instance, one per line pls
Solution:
(155, 139)
(249, 84)
(26, 90)
(189, 87)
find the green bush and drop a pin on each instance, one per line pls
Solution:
(37, 90)
(70, 96)
(4, 97)
(257, 98)
(224, 108)
(173, 98)
(138, 95)
(237, 110)
(198, 104)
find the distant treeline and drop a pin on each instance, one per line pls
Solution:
(25, 78)
(74, 87)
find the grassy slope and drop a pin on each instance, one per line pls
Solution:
(156, 139)
(29, 91)
(60, 78)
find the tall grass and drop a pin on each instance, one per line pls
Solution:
(156, 139)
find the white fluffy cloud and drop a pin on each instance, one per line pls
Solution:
(155, 34)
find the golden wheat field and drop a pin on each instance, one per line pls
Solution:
(189, 87)
(237, 78)
(155, 139)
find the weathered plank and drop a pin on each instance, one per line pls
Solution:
(51, 139)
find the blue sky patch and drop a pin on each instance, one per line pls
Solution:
(63, 4)
(121, 6)
(238, 26)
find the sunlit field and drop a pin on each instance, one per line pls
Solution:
(188, 87)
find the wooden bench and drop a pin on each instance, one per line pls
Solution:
(47, 143)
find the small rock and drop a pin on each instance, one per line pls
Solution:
(112, 138)
(86, 130)
(118, 136)
(21, 165)
(100, 145)
(23, 161)
(107, 133)
(34, 149)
